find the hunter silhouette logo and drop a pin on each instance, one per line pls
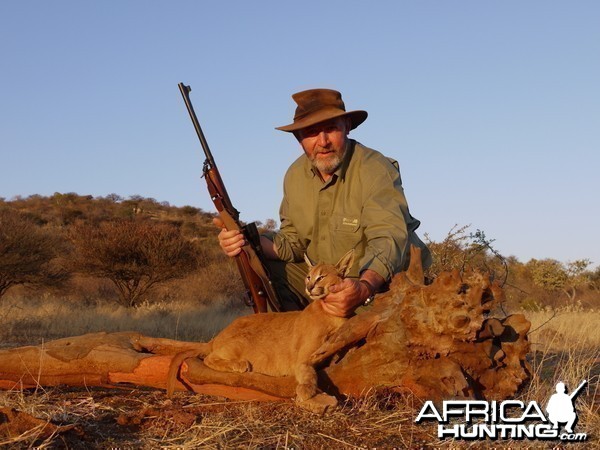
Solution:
(509, 419)
(561, 407)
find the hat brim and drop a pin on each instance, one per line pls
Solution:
(356, 118)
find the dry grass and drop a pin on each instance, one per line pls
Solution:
(566, 347)
(38, 320)
(146, 419)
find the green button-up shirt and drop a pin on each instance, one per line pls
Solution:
(362, 206)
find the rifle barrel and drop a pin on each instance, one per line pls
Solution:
(185, 93)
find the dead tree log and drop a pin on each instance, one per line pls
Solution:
(433, 340)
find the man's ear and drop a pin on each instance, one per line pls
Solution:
(348, 125)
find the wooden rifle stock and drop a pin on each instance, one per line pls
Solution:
(259, 291)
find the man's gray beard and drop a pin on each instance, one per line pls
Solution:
(330, 165)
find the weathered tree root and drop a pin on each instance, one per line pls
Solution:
(432, 340)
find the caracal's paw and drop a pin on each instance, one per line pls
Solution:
(227, 365)
(241, 366)
(305, 391)
(319, 404)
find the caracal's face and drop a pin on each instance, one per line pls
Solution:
(325, 143)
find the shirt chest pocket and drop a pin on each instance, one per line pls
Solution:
(345, 232)
(346, 224)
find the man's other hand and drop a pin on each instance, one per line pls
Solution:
(230, 241)
(345, 297)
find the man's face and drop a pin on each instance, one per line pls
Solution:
(325, 143)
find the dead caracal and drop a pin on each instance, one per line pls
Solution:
(277, 344)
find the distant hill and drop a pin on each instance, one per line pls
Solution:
(63, 210)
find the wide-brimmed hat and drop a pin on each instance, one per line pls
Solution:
(319, 105)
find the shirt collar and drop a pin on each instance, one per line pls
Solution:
(341, 172)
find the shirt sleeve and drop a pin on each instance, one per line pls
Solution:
(288, 244)
(384, 215)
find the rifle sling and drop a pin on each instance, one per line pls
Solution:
(255, 262)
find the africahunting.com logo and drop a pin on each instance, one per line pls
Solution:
(509, 419)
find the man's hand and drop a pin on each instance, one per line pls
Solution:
(345, 297)
(230, 241)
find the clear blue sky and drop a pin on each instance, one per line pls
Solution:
(492, 108)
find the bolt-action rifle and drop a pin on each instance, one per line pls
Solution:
(259, 290)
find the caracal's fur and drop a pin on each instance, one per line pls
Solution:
(277, 344)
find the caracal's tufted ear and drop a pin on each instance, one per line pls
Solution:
(345, 263)
(308, 261)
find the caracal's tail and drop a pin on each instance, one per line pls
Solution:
(202, 350)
